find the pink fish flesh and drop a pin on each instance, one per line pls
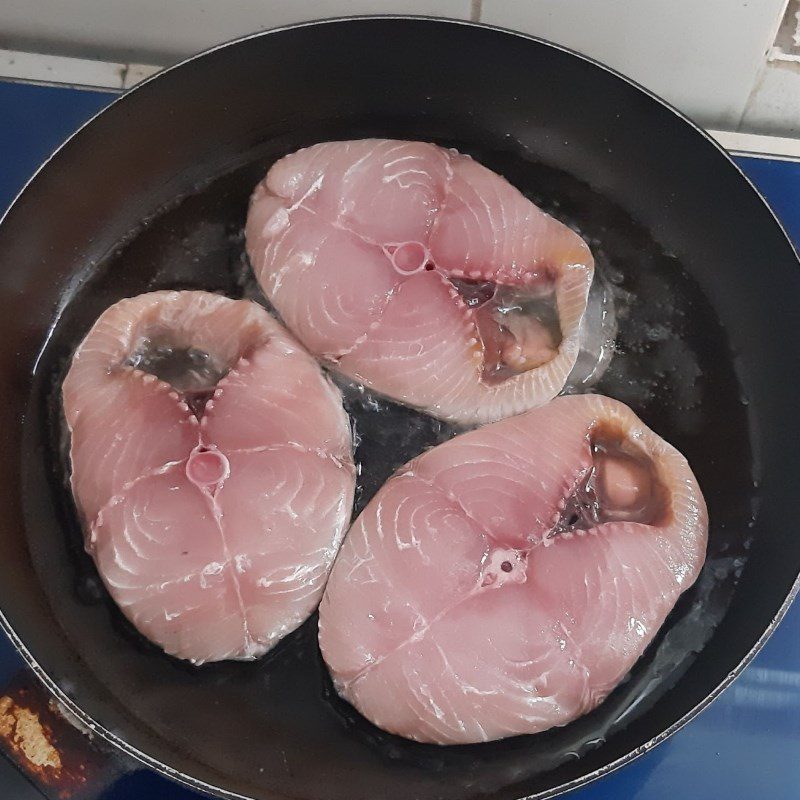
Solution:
(212, 467)
(422, 274)
(504, 582)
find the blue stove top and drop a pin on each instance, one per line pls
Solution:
(746, 745)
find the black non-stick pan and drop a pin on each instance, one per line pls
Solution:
(153, 192)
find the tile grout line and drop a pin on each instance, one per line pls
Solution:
(475, 9)
(758, 78)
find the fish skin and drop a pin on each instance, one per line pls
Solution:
(428, 637)
(320, 233)
(219, 571)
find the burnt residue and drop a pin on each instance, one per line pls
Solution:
(28, 739)
(44, 743)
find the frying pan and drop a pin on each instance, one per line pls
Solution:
(153, 192)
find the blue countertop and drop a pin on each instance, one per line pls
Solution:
(746, 745)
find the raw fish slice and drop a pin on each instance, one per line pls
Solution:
(260, 551)
(200, 319)
(424, 349)
(609, 629)
(396, 595)
(383, 190)
(108, 452)
(278, 517)
(510, 478)
(214, 503)
(328, 285)
(267, 219)
(488, 230)
(400, 209)
(489, 668)
(160, 553)
(277, 395)
(571, 532)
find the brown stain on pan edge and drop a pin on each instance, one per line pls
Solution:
(46, 743)
(27, 739)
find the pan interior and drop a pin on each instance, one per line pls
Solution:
(256, 727)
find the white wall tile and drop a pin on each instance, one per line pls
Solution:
(163, 31)
(774, 105)
(701, 55)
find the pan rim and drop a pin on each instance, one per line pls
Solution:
(198, 784)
